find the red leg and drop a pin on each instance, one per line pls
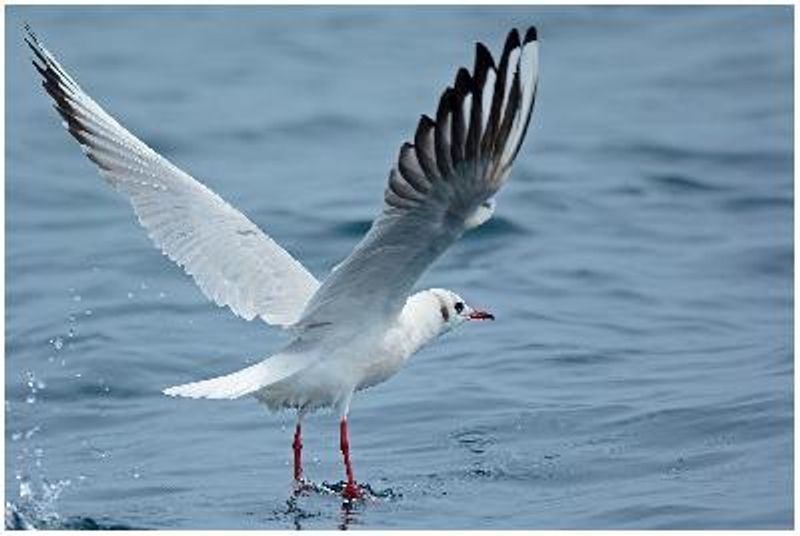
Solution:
(297, 446)
(350, 491)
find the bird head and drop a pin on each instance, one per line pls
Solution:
(453, 311)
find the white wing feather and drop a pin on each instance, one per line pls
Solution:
(233, 262)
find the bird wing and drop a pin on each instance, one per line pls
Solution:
(457, 162)
(233, 262)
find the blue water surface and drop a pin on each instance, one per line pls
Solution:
(640, 265)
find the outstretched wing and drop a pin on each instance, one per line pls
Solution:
(232, 261)
(456, 163)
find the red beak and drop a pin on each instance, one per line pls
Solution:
(481, 315)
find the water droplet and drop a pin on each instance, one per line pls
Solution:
(57, 342)
(143, 285)
(98, 453)
(76, 297)
(16, 436)
(25, 491)
(88, 312)
(161, 295)
(130, 295)
(38, 454)
(51, 491)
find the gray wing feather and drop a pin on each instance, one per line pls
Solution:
(456, 163)
(232, 261)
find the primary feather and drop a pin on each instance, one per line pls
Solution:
(455, 165)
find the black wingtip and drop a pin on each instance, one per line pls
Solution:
(531, 35)
(33, 43)
(425, 122)
(30, 35)
(445, 103)
(512, 41)
(483, 57)
(463, 81)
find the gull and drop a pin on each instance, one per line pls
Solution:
(360, 325)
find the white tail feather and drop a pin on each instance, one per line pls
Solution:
(243, 382)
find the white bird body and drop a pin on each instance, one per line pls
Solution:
(313, 375)
(358, 326)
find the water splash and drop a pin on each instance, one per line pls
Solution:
(35, 507)
(368, 493)
(35, 504)
(21, 517)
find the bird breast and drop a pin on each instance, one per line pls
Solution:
(389, 356)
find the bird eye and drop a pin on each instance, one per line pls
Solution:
(459, 307)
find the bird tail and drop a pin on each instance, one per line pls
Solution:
(243, 382)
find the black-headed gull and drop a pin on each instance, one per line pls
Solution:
(442, 184)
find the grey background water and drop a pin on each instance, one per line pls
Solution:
(640, 266)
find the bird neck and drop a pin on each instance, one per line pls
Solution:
(420, 320)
